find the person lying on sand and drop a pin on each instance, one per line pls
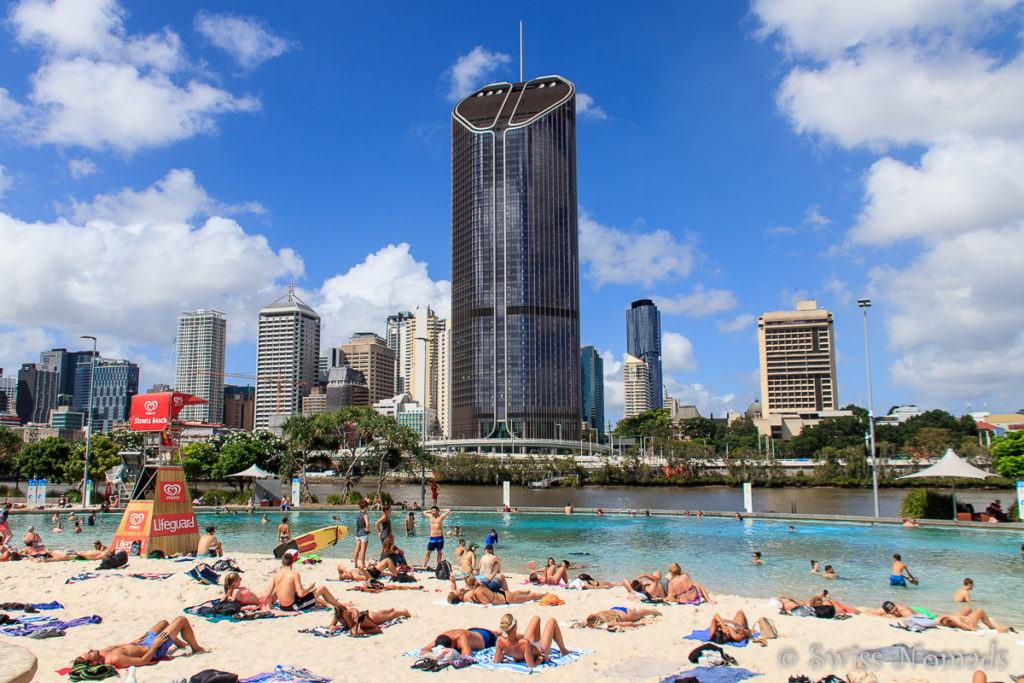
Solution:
(822, 598)
(286, 587)
(676, 587)
(891, 610)
(465, 640)
(363, 622)
(533, 647)
(621, 617)
(588, 582)
(153, 645)
(733, 630)
(967, 620)
(485, 595)
(98, 552)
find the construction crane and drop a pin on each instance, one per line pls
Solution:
(279, 381)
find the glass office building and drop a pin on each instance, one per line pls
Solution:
(643, 340)
(515, 263)
(592, 385)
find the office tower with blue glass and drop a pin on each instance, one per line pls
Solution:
(515, 370)
(643, 341)
(592, 385)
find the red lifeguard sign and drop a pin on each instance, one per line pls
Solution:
(159, 515)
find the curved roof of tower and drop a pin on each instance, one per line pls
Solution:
(511, 105)
(289, 302)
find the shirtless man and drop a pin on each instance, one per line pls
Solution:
(436, 540)
(209, 545)
(963, 593)
(465, 640)
(153, 645)
(99, 552)
(490, 594)
(32, 540)
(900, 574)
(891, 610)
(967, 620)
(467, 561)
(533, 647)
(490, 564)
(287, 588)
(284, 532)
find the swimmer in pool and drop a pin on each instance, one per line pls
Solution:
(963, 593)
(830, 573)
(815, 567)
(900, 574)
(757, 557)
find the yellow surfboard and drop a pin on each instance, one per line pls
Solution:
(312, 541)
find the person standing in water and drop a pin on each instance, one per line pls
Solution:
(900, 574)
(436, 540)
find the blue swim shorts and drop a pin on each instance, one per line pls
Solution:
(435, 543)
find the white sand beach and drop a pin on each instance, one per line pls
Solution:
(129, 606)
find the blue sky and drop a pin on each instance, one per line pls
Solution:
(732, 158)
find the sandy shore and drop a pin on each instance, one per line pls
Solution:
(129, 606)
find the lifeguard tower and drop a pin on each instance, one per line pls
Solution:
(159, 513)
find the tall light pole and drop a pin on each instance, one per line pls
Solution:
(865, 304)
(88, 422)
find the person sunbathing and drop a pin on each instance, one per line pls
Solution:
(618, 617)
(465, 640)
(363, 622)
(234, 590)
(533, 647)
(588, 582)
(733, 630)
(286, 587)
(151, 646)
(820, 600)
(891, 610)
(551, 575)
(967, 620)
(485, 595)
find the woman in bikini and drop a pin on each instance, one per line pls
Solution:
(533, 647)
(620, 616)
(552, 575)
(488, 595)
(733, 630)
(364, 622)
(233, 590)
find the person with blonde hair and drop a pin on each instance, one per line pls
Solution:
(233, 590)
(533, 647)
(618, 617)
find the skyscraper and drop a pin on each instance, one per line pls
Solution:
(395, 336)
(414, 338)
(444, 380)
(114, 384)
(287, 358)
(370, 355)
(643, 341)
(238, 406)
(592, 385)
(199, 366)
(636, 380)
(37, 393)
(515, 262)
(798, 360)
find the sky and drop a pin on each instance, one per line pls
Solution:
(732, 159)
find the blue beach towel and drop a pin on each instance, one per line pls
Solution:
(485, 660)
(714, 674)
(704, 635)
(286, 674)
(29, 629)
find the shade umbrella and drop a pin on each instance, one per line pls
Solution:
(951, 465)
(255, 472)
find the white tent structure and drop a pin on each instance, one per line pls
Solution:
(951, 465)
(255, 472)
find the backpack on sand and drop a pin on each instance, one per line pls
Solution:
(443, 570)
(115, 561)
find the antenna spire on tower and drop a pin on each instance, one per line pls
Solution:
(520, 51)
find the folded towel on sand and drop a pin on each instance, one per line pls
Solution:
(704, 635)
(286, 674)
(325, 632)
(140, 575)
(485, 660)
(29, 629)
(716, 674)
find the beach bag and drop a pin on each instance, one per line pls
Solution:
(136, 548)
(214, 676)
(443, 570)
(155, 555)
(824, 611)
(227, 565)
(227, 607)
(711, 658)
(203, 573)
(115, 561)
(701, 649)
(404, 569)
(767, 628)
(402, 577)
(95, 672)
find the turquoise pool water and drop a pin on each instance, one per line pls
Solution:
(715, 551)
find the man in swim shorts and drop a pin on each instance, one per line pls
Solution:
(900, 574)
(286, 587)
(152, 646)
(436, 540)
(465, 640)
(893, 611)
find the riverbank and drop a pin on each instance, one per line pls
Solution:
(129, 606)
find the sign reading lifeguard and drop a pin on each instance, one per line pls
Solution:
(153, 412)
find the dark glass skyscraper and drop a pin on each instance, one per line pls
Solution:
(592, 385)
(515, 263)
(643, 340)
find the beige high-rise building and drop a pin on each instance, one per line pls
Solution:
(444, 380)
(369, 354)
(287, 358)
(636, 379)
(199, 364)
(798, 361)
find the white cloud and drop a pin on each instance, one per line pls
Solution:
(5, 181)
(99, 87)
(708, 402)
(737, 324)
(80, 168)
(174, 198)
(676, 353)
(618, 257)
(614, 389)
(125, 276)
(698, 304)
(838, 289)
(386, 281)
(789, 297)
(244, 38)
(813, 221)
(586, 107)
(473, 70)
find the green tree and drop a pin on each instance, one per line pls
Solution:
(1008, 455)
(198, 460)
(235, 457)
(44, 459)
(103, 454)
(10, 447)
(835, 432)
(651, 423)
(931, 442)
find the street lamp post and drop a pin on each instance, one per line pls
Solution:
(88, 422)
(865, 304)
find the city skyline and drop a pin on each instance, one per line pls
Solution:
(773, 153)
